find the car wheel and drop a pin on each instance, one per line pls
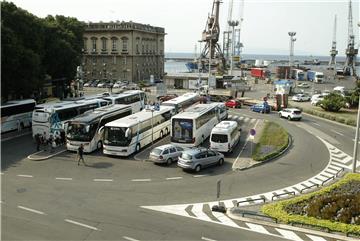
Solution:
(280, 115)
(169, 161)
(289, 118)
(99, 145)
(198, 168)
(137, 148)
(161, 134)
(221, 162)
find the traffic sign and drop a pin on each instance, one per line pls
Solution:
(253, 132)
(218, 189)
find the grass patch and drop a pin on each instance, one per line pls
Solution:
(278, 209)
(273, 140)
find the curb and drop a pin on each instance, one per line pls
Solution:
(289, 227)
(331, 121)
(290, 142)
(44, 158)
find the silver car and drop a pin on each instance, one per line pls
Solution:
(199, 158)
(165, 154)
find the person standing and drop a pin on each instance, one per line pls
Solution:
(50, 143)
(80, 154)
(38, 141)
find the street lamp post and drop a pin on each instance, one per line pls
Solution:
(232, 24)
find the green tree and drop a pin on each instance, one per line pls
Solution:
(332, 102)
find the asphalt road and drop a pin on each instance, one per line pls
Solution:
(57, 200)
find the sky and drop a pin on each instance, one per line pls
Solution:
(264, 29)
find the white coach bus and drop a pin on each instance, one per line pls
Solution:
(87, 129)
(135, 98)
(51, 117)
(16, 114)
(191, 127)
(182, 102)
(129, 134)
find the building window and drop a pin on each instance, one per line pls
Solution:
(143, 48)
(94, 60)
(137, 45)
(114, 44)
(85, 44)
(125, 44)
(104, 43)
(114, 60)
(94, 44)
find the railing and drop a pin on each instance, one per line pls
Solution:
(310, 225)
(283, 194)
(305, 188)
(259, 215)
(256, 199)
(326, 180)
(338, 172)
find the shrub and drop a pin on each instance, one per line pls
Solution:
(351, 122)
(332, 102)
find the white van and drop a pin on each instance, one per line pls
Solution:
(225, 136)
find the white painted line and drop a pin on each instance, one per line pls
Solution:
(197, 209)
(103, 180)
(246, 119)
(288, 234)
(316, 124)
(2, 202)
(230, 116)
(1, 173)
(81, 224)
(207, 239)
(257, 228)
(341, 134)
(315, 238)
(31, 210)
(130, 239)
(252, 121)
(21, 175)
(64, 178)
(173, 178)
(224, 219)
(141, 180)
(240, 118)
(200, 175)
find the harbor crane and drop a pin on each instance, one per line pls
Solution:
(333, 51)
(351, 51)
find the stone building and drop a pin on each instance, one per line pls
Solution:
(123, 51)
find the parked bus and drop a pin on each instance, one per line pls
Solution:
(51, 117)
(135, 98)
(192, 127)
(87, 129)
(129, 134)
(225, 136)
(16, 114)
(182, 102)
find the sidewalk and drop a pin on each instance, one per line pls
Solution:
(46, 154)
(244, 160)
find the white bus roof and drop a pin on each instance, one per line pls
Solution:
(138, 117)
(66, 104)
(180, 99)
(124, 94)
(196, 111)
(17, 102)
(93, 114)
(225, 127)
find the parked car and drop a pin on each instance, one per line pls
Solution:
(303, 85)
(326, 92)
(301, 97)
(101, 84)
(199, 158)
(94, 83)
(118, 84)
(290, 114)
(261, 108)
(233, 104)
(165, 154)
(315, 99)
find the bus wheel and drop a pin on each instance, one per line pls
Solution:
(198, 168)
(99, 145)
(161, 134)
(167, 131)
(137, 148)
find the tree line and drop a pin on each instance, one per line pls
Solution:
(35, 50)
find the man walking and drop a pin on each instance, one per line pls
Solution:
(80, 154)
(38, 141)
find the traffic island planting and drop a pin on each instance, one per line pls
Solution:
(335, 208)
(274, 139)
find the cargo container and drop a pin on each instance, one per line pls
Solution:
(297, 74)
(258, 73)
(316, 77)
(283, 72)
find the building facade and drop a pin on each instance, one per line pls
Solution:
(123, 51)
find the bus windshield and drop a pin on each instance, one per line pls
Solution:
(81, 131)
(115, 136)
(182, 130)
(40, 116)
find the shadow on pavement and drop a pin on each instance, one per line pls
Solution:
(100, 165)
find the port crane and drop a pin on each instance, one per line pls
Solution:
(351, 51)
(212, 51)
(333, 51)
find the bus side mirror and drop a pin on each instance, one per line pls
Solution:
(127, 133)
(100, 130)
(240, 129)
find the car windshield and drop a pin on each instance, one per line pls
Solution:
(115, 136)
(80, 131)
(186, 156)
(156, 151)
(297, 112)
(219, 138)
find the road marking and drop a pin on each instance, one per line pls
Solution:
(21, 175)
(316, 124)
(315, 238)
(64, 178)
(207, 239)
(81, 224)
(197, 209)
(173, 178)
(257, 228)
(341, 134)
(1, 173)
(200, 175)
(14, 137)
(141, 180)
(2, 202)
(224, 219)
(103, 180)
(130, 239)
(31, 210)
(288, 234)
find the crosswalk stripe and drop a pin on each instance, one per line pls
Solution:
(333, 172)
(246, 119)
(224, 219)
(315, 238)
(230, 116)
(241, 118)
(252, 121)
(344, 161)
(257, 228)
(288, 234)
(228, 203)
(198, 211)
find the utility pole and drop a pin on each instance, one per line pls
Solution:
(232, 24)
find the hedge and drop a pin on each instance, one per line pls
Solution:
(277, 210)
